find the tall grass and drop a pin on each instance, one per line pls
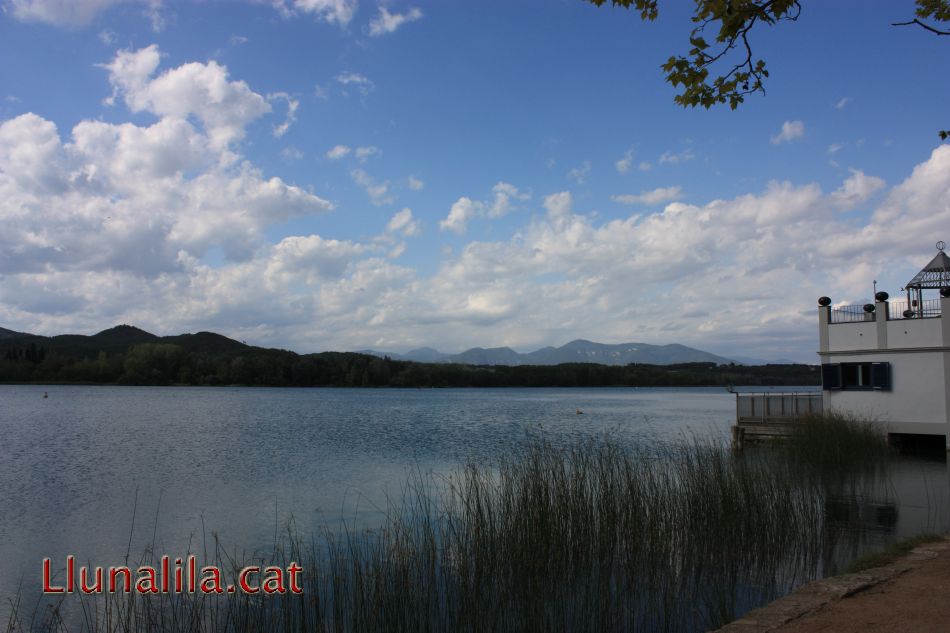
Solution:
(594, 536)
(838, 441)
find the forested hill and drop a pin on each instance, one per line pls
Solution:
(129, 355)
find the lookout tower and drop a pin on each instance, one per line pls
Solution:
(889, 361)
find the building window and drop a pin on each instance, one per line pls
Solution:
(856, 376)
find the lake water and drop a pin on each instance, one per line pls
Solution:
(189, 463)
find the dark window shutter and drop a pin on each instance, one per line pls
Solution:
(881, 376)
(831, 376)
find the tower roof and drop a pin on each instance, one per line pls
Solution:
(936, 274)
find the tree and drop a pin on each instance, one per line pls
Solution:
(733, 20)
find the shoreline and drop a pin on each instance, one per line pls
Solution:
(808, 608)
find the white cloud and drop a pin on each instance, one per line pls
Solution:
(857, 189)
(415, 184)
(292, 153)
(579, 174)
(363, 154)
(559, 205)
(626, 163)
(670, 157)
(656, 196)
(623, 165)
(790, 131)
(142, 199)
(504, 199)
(332, 11)
(503, 194)
(337, 152)
(834, 148)
(292, 105)
(403, 223)
(842, 102)
(463, 210)
(361, 82)
(201, 90)
(378, 192)
(386, 22)
(71, 13)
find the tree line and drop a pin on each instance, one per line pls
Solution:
(171, 364)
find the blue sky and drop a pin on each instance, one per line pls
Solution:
(334, 174)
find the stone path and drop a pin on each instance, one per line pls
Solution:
(911, 594)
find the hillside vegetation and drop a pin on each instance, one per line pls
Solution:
(128, 355)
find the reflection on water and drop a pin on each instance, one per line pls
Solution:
(97, 471)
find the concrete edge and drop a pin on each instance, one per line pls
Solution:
(814, 596)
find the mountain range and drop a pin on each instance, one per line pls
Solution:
(120, 338)
(577, 351)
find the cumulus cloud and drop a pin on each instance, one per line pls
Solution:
(385, 22)
(504, 199)
(404, 224)
(558, 205)
(670, 157)
(194, 89)
(339, 12)
(69, 13)
(361, 82)
(363, 154)
(656, 196)
(337, 152)
(580, 173)
(790, 131)
(141, 199)
(378, 192)
(463, 210)
(623, 165)
(857, 189)
(292, 105)
(505, 196)
(415, 183)
(626, 163)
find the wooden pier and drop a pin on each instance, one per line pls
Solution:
(767, 416)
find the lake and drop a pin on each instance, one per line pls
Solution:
(99, 472)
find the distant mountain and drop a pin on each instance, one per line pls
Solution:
(119, 339)
(491, 356)
(419, 355)
(424, 355)
(207, 343)
(5, 333)
(579, 351)
(746, 360)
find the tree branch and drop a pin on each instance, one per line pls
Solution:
(922, 25)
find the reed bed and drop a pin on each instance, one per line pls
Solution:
(839, 441)
(591, 536)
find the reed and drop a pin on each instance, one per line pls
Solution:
(839, 440)
(589, 536)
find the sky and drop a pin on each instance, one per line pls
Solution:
(348, 174)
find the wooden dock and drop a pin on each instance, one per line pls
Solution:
(768, 416)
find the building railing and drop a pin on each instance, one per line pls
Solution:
(766, 407)
(850, 314)
(927, 309)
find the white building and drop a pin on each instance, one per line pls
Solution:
(890, 360)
